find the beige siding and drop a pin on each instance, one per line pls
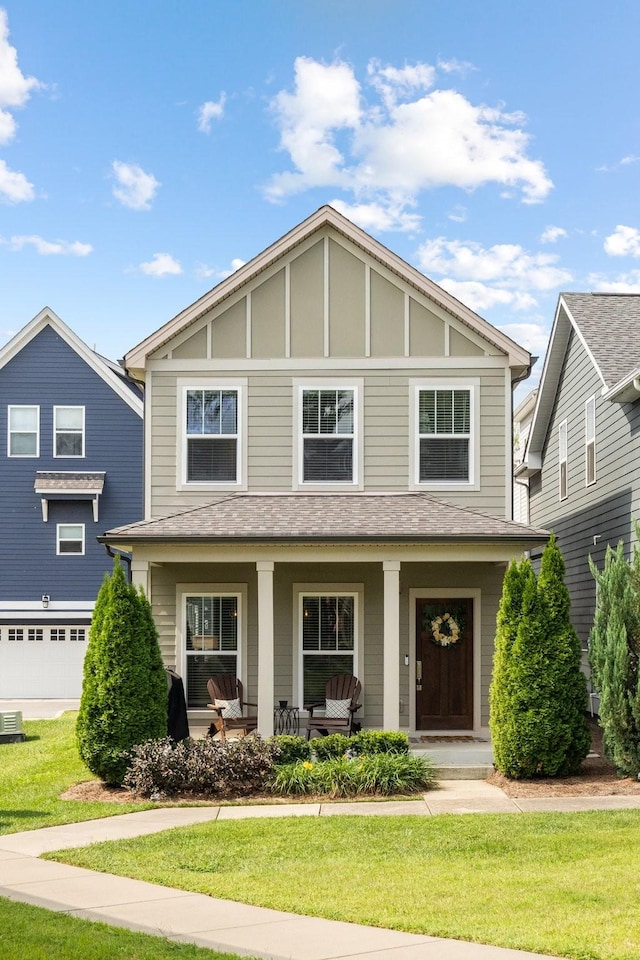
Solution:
(195, 347)
(268, 317)
(461, 346)
(346, 303)
(387, 317)
(229, 332)
(426, 332)
(307, 303)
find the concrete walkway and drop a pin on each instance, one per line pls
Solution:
(235, 927)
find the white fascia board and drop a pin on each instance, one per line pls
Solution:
(136, 358)
(47, 317)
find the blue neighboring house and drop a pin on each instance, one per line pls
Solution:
(71, 442)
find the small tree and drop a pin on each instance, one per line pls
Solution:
(614, 646)
(538, 694)
(124, 693)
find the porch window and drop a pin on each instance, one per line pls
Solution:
(211, 642)
(444, 435)
(328, 641)
(590, 440)
(212, 436)
(328, 436)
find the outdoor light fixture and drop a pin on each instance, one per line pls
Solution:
(45, 600)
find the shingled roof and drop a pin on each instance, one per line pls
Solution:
(610, 325)
(326, 518)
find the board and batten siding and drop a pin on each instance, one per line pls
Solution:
(386, 442)
(591, 517)
(47, 372)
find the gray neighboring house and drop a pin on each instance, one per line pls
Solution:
(584, 444)
(328, 455)
(522, 420)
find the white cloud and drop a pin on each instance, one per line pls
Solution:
(162, 265)
(623, 162)
(623, 242)
(551, 234)
(506, 263)
(407, 141)
(134, 188)
(14, 187)
(50, 247)
(458, 214)
(211, 110)
(204, 272)
(378, 216)
(481, 296)
(455, 66)
(15, 88)
(534, 337)
(623, 283)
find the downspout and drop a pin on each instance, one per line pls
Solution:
(123, 556)
(514, 384)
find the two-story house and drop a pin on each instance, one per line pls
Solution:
(328, 483)
(584, 442)
(71, 463)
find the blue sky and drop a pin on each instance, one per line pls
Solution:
(148, 147)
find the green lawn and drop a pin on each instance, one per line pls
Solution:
(33, 774)
(31, 933)
(564, 884)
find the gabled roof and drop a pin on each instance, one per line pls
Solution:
(608, 326)
(326, 518)
(326, 216)
(104, 368)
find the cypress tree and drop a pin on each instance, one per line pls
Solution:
(122, 701)
(613, 656)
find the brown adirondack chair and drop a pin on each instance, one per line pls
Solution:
(226, 687)
(342, 687)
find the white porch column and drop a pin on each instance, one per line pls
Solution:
(140, 575)
(391, 649)
(265, 646)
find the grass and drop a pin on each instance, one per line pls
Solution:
(37, 934)
(33, 774)
(563, 884)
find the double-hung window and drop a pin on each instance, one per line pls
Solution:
(445, 435)
(590, 440)
(23, 431)
(328, 419)
(328, 634)
(211, 436)
(68, 431)
(562, 459)
(212, 633)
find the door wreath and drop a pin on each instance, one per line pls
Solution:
(445, 631)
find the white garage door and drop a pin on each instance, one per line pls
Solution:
(42, 661)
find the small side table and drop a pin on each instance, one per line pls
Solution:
(286, 720)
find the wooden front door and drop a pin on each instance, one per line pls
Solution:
(444, 664)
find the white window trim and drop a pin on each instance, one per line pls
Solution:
(325, 383)
(218, 383)
(472, 384)
(23, 406)
(68, 456)
(59, 553)
(563, 426)
(588, 442)
(184, 590)
(355, 590)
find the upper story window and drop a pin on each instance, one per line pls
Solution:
(562, 460)
(70, 538)
(445, 435)
(68, 431)
(590, 440)
(328, 435)
(23, 431)
(212, 436)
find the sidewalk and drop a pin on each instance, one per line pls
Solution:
(235, 927)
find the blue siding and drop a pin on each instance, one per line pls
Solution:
(48, 373)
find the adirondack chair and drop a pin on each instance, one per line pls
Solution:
(342, 696)
(227, 699)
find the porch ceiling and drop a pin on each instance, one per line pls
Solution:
(327, 518)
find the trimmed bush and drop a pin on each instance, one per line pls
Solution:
(378, 774)
(124, 691)
(614, 651)
(538, 694)
(208, 767)
(369, 742)
(290, 748)
(331, 747)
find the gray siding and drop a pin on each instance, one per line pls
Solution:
(604, 510)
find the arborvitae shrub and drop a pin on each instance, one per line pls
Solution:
(124, 692)
(614, 648)
(538, 693)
